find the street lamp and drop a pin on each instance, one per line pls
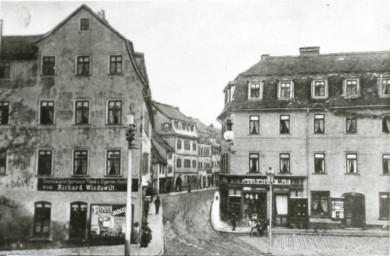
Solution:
(270, 178)
(130, 133)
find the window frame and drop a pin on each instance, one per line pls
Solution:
(280, 124)
(346, 163)
(3, 159)
(115, 63)
(178, 162)
(74, 162)
(319, 117)
(255, 82)
(115, 108)
(313, 88)
(282, 156)
(346, 124)
(385, 124)
(81, 25)
(345, 85)
(317, 156)
(75, 111)
(37, 218)
(254, 121)
(381, 87)
(257, 156)
(53, 68)
(382, 207)
(41, 102)
(385, 156)
(108, 151)
(178, 144)
(45, 150)
(280, 85)
(4, 112)
(320, 194)
(5, 66)
(81, 74)
(187, 163)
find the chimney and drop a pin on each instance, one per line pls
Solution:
(264, 56)
(313, 50)
(102, 14)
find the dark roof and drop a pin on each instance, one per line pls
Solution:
(157, 138)
(160, 148)
(18, 47)
(171, 112)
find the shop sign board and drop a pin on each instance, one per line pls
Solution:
(337, 208)
(265, 182)
(108, 221)
(82, 185)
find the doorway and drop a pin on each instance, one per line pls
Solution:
(281, 210)
(78, 221)
(354, 210)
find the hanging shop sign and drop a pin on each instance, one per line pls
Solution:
(337, 208)
(108, 221)
(82, 185)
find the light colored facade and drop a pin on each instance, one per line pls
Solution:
(321, 123)
(64, 143)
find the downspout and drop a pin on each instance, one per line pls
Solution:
(307, 144)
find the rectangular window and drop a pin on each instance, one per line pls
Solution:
(194, 146)
(114, 112)
(193, 163)
(4, 112)
(386, 124)
(351, 88)
(170, 169)
(253, 163)
(352, 163)
(284, 124)
(47, 112)
(48, 65)
(5, 71)
(80, 162)
(254, 123)
(134, 185)
(3, 162)
(187, 145)
(113, 162)
(255, 89)
(42, 216)
(178, 144)
(351, 124)
(319, 163)
(83, 65)
(166, 126)
(84, 24)
(115, 64)
(319, 124)
(385, 87)
(319, 89)
(187, 163)
(384, 205)
(82, 112)
(285, 90)
(285, 163)
(178, 162)
(386, 164)
(320, 203)
(45, 160)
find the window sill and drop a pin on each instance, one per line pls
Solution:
(351, 97)
(47, 125)
(383, 218)
(113, 176)
(254, 134)
(79, 176)
(115, 125)
(48, 76)
(285, 99)
(319, 98)
(320, 217)
(81, 125)
(319, 173)
(319, 133)
(350, 133)
(44, 175)
(119, 74)
(284, 173)
(38, 238)
(284, 134)
(357, 174)
(83, 75)
(255, 99)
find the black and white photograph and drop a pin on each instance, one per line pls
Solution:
(195, 127)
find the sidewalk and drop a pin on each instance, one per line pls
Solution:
(221, 226)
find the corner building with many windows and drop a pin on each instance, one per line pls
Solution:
(65, 101)
(321, 122)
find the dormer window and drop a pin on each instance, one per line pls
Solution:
(255, 88)
(84, 24)
(286, 90)
(351, 88)
(384, 87)
(319, 89)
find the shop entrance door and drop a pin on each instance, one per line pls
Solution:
(255, 205)
(281, 210)
(355, 210)
(78, 221)
(298, 212)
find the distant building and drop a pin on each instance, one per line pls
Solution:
(322, 123)
(64, 101)
(180, 132)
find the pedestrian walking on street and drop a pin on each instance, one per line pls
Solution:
(234, 222)
(135, 239)
(157, 204)
(146, 210)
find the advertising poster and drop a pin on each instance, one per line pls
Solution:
(108, 221)
(337, 208)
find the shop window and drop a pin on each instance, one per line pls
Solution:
(5, 69)
(134, 185)
(187, 145)
(178, 163)
(351, 123)
(42, 216)
(178, 144)
(284, 124)
(4, 112)
(45, 160)
(83, 65)
(115, 64)
(193, 163)
(48, 65)
(113, 162)
(47, 112)
(187, 163)
(385, 87)
(352, 164)
(80, 162)
(82, 112)
(285, 163)
(320, 203)
(285, 90)
(253, 163)
(194, 146)
(319, 89)
(319, 124)
(319, 163)
(84, 24)
(255, 89)
(386, 124)
(351, 88)
(281, 202)
(254, 122)
(114, 112)
(386, 164)
(3, 162)
(384, 205)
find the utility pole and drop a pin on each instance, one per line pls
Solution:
(130, 132)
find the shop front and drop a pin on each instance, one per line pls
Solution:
(248, 198)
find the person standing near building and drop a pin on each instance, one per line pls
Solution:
(157, 204)
(234, 221)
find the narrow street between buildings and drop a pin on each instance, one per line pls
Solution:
(188, 232)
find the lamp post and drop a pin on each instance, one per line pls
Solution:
(130, 132)
(270, 178)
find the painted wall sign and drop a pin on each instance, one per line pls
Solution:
(337, 208)
(265, 182)
(82, 185)
(108, 221)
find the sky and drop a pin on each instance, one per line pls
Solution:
(194, 48)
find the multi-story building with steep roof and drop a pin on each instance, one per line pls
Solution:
(180, 132)
(65, 101)
(321, 122)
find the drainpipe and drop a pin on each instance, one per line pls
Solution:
(307, 144)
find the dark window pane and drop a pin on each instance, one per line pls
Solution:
(5, 70)
(84, 24)
(80, 162)
(82, 112)
(4, 112)
(48, 65)
(47, 112)
(44, 162)
(113, 162)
